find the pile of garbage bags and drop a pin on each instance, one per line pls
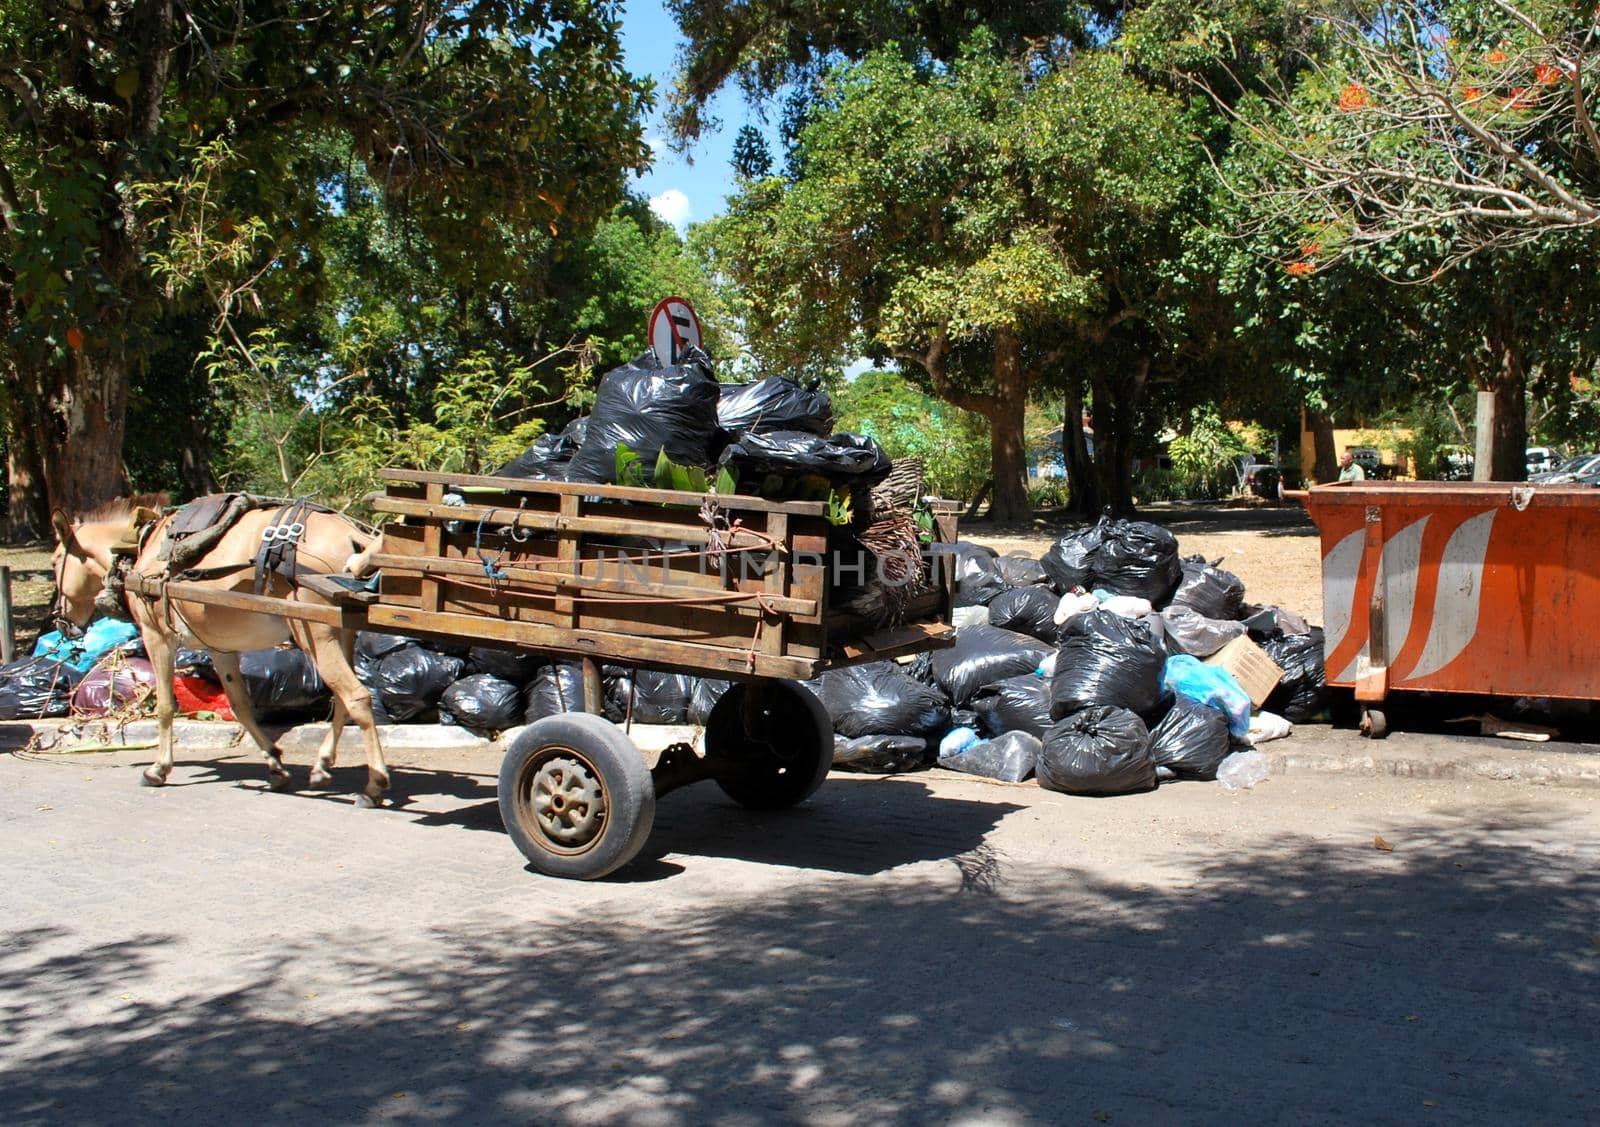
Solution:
(771, 428)
(1087, 668)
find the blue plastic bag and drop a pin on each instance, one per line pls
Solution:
(99, 637)
(1211, 686)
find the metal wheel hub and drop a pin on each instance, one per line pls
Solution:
(567, 801)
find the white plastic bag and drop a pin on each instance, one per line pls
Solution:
(1073, 604)
(969, 616)
(1242, 770)
(1128, 606)
(1266, 726)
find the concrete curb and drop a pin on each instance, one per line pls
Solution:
(1313, 749)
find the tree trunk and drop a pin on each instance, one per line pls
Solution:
(27, 515)
(84, 419)
(1115, 411)
(1500, 440)
(1083, 490)
(1325, 459)
(1008, 456)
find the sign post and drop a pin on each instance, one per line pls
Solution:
(674, 330)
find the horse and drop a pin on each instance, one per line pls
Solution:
(83, 558)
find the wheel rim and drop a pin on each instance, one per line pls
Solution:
(561, 801)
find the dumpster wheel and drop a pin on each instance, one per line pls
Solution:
(1374, 724)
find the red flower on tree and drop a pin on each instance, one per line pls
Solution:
(1545, 74)
(1471, 94)
(1353, 97)
(1299, 269)
(1495, 57)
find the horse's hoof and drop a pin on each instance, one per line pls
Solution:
(150, 777)
(367, 802)
(281, 782)
(319, 779)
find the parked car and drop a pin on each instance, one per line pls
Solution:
(1538, 459)
(1570, 470)
(1264, 480)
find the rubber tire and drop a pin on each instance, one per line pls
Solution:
(1374, 724)
(624, 778)
(790, 777)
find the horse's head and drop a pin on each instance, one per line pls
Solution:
(80, 576)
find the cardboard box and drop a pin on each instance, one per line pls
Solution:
(1250, 666)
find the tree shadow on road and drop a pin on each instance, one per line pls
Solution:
(1454, 977)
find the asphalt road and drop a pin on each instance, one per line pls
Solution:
(921, 949)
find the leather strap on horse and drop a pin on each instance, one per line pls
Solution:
(280, 542)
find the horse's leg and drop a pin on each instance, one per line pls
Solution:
(162, 650)
(331, 651)
(227, 667)
(328, 753)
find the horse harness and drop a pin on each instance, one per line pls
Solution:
(193, 531)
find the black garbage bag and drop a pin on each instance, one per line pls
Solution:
(1210, 590)
(844, 459)
(1019, 571)
(880, 699)
(658, 698)
(1017, 704)
(283, 684)
(1099, 750)
(977, 574)
(34, 688)
(558, 687)
(194, 663)
(1191, 740)
(649, 408)
(550, 455)
(411, 681)
(371, 648)
(1010, 757)
(963, 718)
(707, 692)
(1106, 659)
(1027, 610)
(1269, 622)
(774, 403)
(1138, 558)
(880, 754)
(483, 704)
(1302, 691)
(1070, 561)
(516, 666)
(981, 656)
(1190, 632)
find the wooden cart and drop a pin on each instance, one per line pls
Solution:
(735, 588)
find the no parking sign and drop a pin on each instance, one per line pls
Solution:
(674, 329)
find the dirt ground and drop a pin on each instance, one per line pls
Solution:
(1273, 550)
(31, 590)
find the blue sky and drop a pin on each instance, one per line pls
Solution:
(680, 192)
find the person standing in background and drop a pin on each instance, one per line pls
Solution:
(1350, 469)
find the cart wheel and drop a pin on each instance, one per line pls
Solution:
(781, 732)
(1374, 724)
(576, 796)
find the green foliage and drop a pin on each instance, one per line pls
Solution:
(1207, 457)
(953, 444)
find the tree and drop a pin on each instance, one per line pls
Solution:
(983, 224)
(458, 111)
(751, 159)
(1449, 146)
(1470, 120)
(766, 46)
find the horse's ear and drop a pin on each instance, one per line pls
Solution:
(63, 527)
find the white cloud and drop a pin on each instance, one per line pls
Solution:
(673, 207)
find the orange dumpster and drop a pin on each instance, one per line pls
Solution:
(1459, 587)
